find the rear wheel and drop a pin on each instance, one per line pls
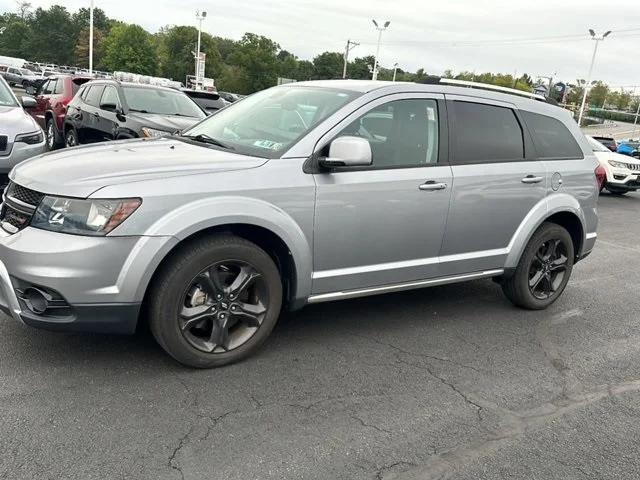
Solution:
(215, 302)
(544, 269)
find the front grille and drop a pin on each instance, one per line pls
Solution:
(633, 167)
(3, 143)
(23, 194)
(19, 205)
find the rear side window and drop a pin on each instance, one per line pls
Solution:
(551, 138)
(77, 82)
(486, 134)
(59, 87)
(92, 97)
(49, 87)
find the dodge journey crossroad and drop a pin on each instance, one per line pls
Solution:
(302, 193)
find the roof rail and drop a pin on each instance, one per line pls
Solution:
(486, 86)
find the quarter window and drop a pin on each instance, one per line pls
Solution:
(59, 87)
(486, 134)
(402, 133)
(49, 87)
(551, 138)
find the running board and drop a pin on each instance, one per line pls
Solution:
(399, 287)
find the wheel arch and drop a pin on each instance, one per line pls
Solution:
(264, 238)
(561, 209)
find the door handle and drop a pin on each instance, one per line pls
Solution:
(431, 186)
(532, 179)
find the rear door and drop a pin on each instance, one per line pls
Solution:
(383, 225)
(496, 182)
(89, 112)
(42, 102)
(107, 121)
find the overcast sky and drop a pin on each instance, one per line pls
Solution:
(540, 37)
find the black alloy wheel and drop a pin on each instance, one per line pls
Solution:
(548, 269)
(223, 306)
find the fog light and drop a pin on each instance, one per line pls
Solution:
(37, 301)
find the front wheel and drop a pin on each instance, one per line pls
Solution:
(215, 302)
(50, 134)
(544, 269)
(71, 138)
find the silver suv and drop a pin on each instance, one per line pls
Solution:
(299, 194)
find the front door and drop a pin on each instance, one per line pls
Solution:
(496, 182)
(383, 225)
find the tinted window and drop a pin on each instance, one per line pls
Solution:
(110, 96)
(403, 133)
(161, 101)
(551, 138)
(486, 133)
(92, 97)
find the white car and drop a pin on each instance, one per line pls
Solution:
(623, 172)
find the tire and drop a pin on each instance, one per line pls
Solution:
(71, 138)
(532, 263)
(25, 84)
(189, 308)
(52, 141)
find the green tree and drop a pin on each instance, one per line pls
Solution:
(13, 38)
(52, 36)
(328, 65)
(359, 68)
(304, 70)
(130, 48)
(598, 93)
(255, 56)
(81, 51)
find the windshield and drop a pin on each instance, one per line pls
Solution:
(596, 146)
(6, 98)
(160, 101)
(268, 123)
(24, 71)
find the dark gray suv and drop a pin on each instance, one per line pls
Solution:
(303, 193)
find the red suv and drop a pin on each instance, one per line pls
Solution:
(52, 98)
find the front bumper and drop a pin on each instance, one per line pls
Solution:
(623, 179)
(97, 283)
(18, 153)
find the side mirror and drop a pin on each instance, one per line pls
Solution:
(109, 107)
(28, 102)
(348, 152)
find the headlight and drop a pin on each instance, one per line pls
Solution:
(154, 133)
(95, 217)
(615, 164)
(30, 138)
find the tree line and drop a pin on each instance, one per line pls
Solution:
(56, 35)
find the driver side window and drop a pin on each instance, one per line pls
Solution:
(402, 133)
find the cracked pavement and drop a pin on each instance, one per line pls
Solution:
(445, 383)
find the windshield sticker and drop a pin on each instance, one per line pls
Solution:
(268, 144)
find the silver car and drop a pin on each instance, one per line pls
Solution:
(20, 76)
(20, 135)
(303, 193)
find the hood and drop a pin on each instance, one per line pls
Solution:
(15, 121)
(169, 123)
(80, 171)
(617, 157)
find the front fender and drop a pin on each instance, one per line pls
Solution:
(199, 215)
(550, 205)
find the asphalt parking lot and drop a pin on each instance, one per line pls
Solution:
(448, 382)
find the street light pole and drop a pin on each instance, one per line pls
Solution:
(593, 60)
(200, 17)
(395, 69)
(91, 38)
(375, 62)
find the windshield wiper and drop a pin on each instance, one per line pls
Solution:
(204, 138)
(139, 111)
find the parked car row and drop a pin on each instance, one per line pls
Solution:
(629, 147)
(77, 109)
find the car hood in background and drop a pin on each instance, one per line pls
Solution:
(80, 171)
(168, 123)
(15, 121)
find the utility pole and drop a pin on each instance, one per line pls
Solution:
(375, 62)
(91, 38)
(350, 46)
(593, 61)
(395, 69)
